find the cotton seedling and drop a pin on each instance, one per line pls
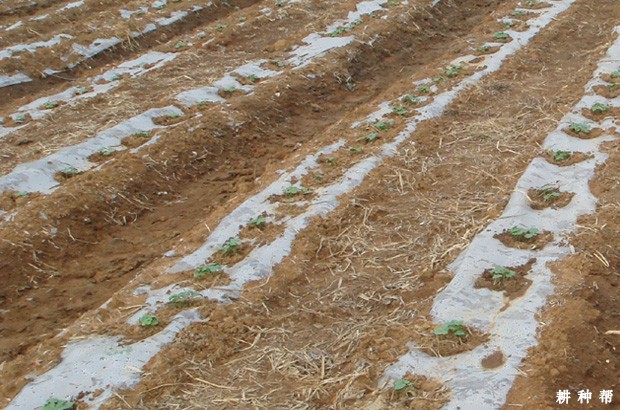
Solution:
(484, 49)
(81, 90)
(424, 89)
(453, 71)
(615, 74)
(115, 77)
(180, 44)
(372, 137)
(231, 246)
(500, 273)
(519, 13)
(522, 233)
(207, 270)
(383, 125)
(220, 27)
(580, 127)
(332, 160)
(356, 150)
(19, 118)
(402, 384)
(242, 19)
(258, 222)
(58, 404)
(50, 104)
(399, 110)
(549, 193)
(438, 79)
(107, 151)
(454, 327)
(230, 89)
(253, 78)
(69, 171)
(295, 190)
(338, 32)
(508, 24)
(184, 298)
(148, 320)
(599, 108)
(410, 98)
(500, 35)
(560, 155)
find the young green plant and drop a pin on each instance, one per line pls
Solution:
(454, 327)
(184, 298)
(148, 320)
(231, 246)
(206, 270)
(500, 273)
(522, 233)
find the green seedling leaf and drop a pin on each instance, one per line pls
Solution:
(81, 90)
(207, 270)
(500, 35)
(411, 99)
(549, 193)
(258, 222)
(508, 24)
(402, 384)
(393, 3)
(453, 70)
(179, 44)
(599, 108)
(19, 118)
(399, 110)
(356, 150)
(579, 127)
(220, 27)
(58, 404)
(338, 32)
(519, 13)
(438, 79)
(560, 155)
(184, 298)
(296, 190)
(107, 151)
(253, 78)
(148, 320)
(384, 125)
(115, 77)
(332, 160)
(454, 326)
(372, 137)
(522, 233)
(424, 89)
(231, 246)
(500, 273)
(484, 49)
(69, 171)
(615, 74)
(50, 104)
(230, 89)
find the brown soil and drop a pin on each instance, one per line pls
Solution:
(574, 158)
(512, 287)
(447, 345)
(549, 198)
(609, 91)
(598, 116)
(537, 242)
(594, 133)
(578, 346)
